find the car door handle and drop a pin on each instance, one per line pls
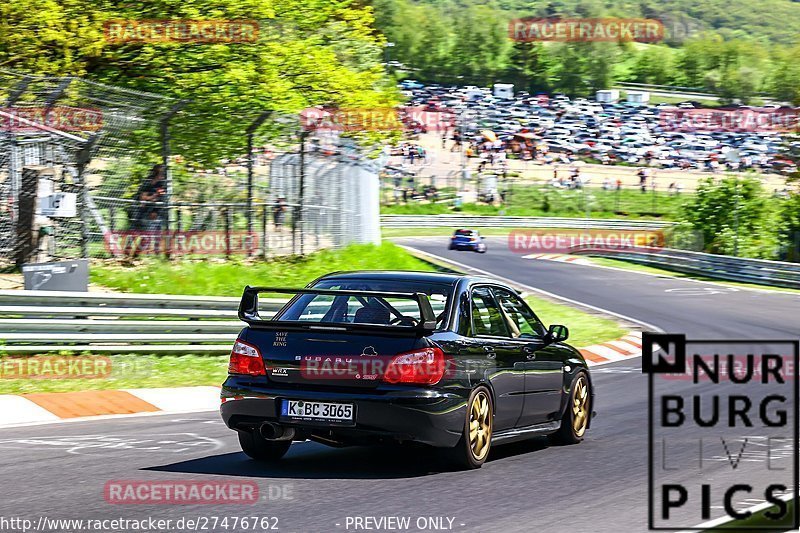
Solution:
(530, 353)
(490, 353)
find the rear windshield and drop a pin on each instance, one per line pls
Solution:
(465, 232)
(369, 310)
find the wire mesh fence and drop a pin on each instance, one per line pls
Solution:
(92, 170)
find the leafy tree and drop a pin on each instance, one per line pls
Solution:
(785, 82)
(600, 65)
(654, 65)
(790, 227)
(308, 52)
(570, 62)
(529, 64)
(721, 207)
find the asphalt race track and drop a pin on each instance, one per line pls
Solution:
(700, 310)
(60, 470)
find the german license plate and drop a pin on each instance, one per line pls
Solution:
(317, 411)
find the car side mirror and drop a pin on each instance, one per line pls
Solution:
(557, 333)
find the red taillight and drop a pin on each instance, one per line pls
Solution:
(246, 359)
(425, 366)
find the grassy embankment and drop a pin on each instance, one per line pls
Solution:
(227, 279)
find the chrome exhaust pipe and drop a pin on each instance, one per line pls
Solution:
(273, 431)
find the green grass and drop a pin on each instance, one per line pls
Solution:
(128, 372)
(220, 278)
(435, 231)
(552, 202)
(758, 522)
(227, 279)
(584, 328)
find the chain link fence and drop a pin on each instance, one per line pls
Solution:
(92, 170)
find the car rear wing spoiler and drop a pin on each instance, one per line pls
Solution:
(248, 311)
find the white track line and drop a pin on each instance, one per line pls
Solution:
(575, 303)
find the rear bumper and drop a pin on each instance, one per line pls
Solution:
(469, 246)
(416, 415)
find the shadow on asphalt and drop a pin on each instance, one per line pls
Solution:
(308, 460)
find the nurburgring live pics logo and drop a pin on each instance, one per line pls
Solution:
(722, 432)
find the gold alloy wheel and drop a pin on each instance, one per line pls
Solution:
(580, 407)
(480, 425)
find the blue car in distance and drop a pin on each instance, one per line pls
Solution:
(467, 239)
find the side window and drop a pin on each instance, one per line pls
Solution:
(486, 316)
(522, 321)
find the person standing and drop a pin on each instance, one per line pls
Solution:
(279, 212)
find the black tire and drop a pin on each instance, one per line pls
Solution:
(572, 432)
(464, 454)
(258, 448)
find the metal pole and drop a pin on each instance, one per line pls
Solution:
(165, 154)
(251, 130)
(21, 87)
(83, 158)
(736, 219)
(227, 212)
(264, 222)
(303, 135)
(53, 97)
(463, 150)
(655, 198)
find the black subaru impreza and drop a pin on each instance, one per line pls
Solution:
(455, 362)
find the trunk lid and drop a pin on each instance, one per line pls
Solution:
(334, 359)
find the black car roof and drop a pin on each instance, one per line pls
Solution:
(408, 275)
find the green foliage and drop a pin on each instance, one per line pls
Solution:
(734, 215)
(308, 52)
(730, 49)
(584, 329)
(549, 201)
(790, 227)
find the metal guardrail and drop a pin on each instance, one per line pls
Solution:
(774, 273)
(34, 322)
(419, 221)
(47, 321)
